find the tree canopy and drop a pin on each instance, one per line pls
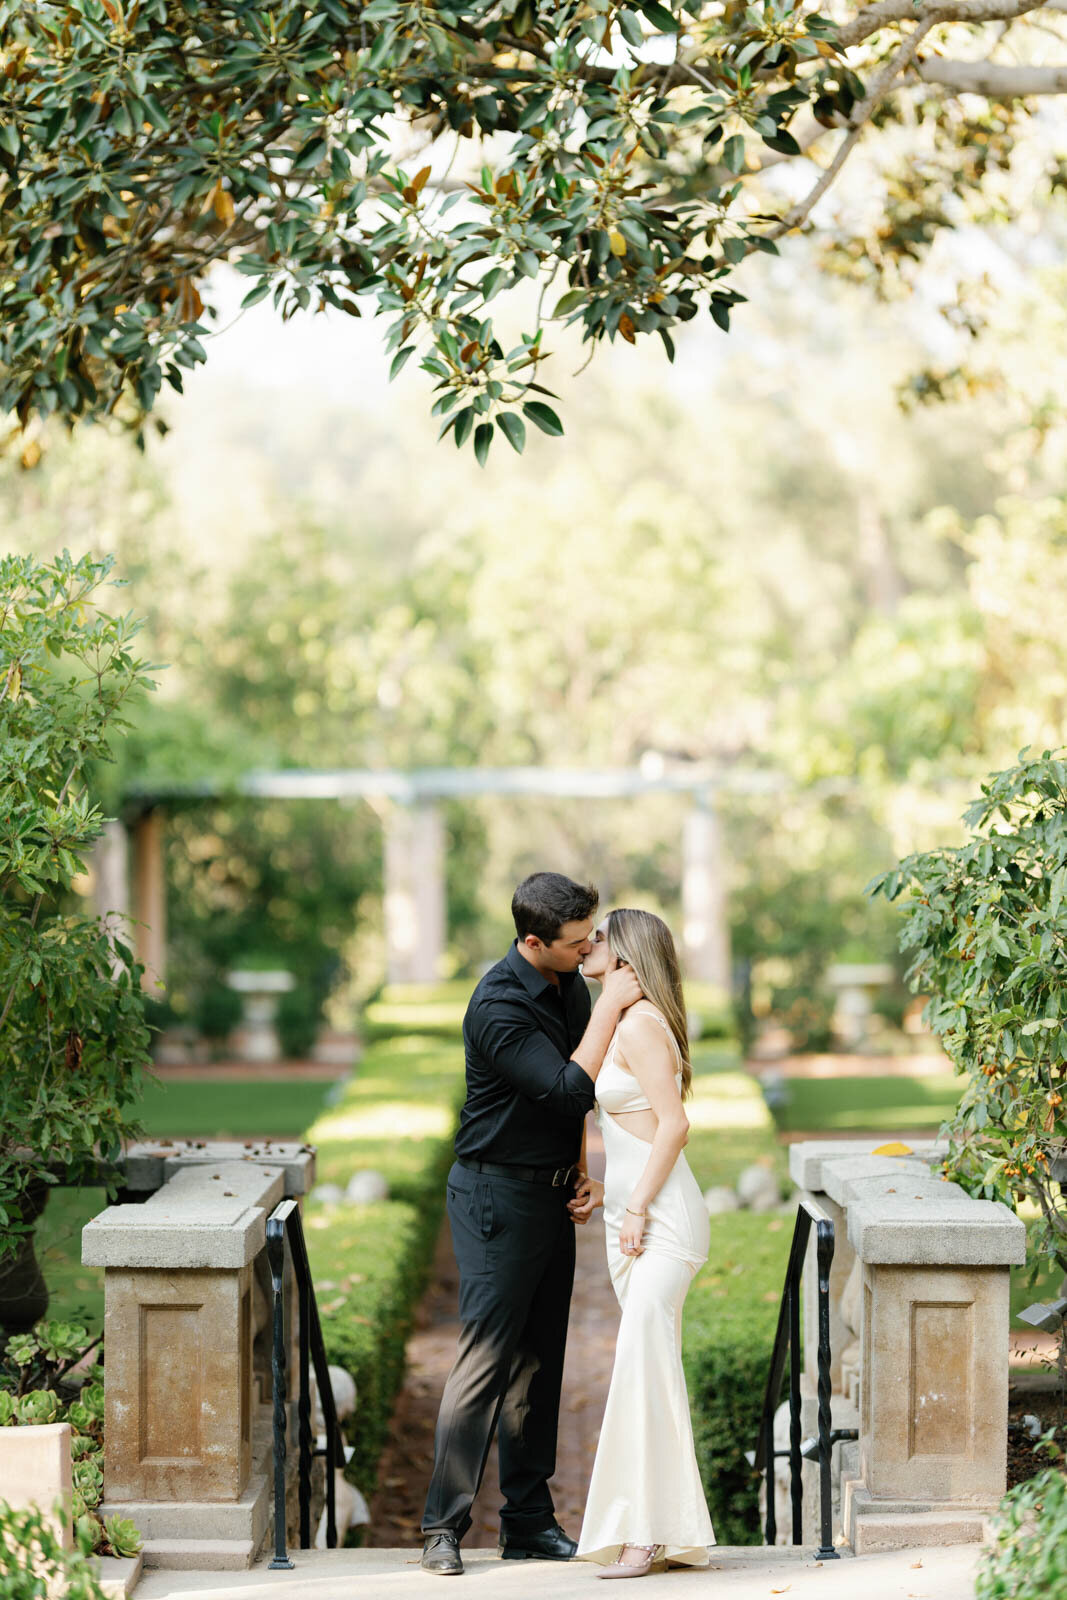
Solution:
(426, 157)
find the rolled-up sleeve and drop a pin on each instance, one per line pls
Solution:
(512, 1044)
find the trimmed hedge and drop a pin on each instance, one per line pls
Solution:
(370, 1263)
(730, 1317)
(732, 1308)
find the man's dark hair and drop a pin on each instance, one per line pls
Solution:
(545, 901)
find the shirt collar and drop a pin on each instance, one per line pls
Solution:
(534, 982)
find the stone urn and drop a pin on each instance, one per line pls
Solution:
(256, 1037)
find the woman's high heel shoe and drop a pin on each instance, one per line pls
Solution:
(654, 1562)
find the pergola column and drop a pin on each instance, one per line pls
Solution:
(111, 876)
(150, 897)
(414, 893)
(706, 932)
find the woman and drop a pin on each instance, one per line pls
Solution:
(646, 1506)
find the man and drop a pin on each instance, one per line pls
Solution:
(514, 1194)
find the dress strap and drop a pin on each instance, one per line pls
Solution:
(664, 1024)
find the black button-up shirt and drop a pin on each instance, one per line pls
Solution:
(526, 1100)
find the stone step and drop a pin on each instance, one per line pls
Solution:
(118, 1576)
(910, 1530)
(181, 1520)
(199, 1556)
(750, 1572)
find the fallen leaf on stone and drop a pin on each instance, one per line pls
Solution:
(916, 1563)
(782, 1591)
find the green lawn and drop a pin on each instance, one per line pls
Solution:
(730, 1126)
(862, 1105)
(212, 1108)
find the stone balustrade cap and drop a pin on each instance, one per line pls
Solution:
(950, 1231)
(909, 1185)
(806, 1158)
(150, 1163)
(842, 1178)
(209, 1215)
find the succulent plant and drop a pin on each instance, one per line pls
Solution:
(8, 1408)
(82, 1445)
(21, 1349)
(122, 1535)
(39, 1406)
(88, 1482)
(88, 1533)
(92, 1398)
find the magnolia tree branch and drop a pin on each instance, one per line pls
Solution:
(989, 78)
(884, 12)
(898, 62)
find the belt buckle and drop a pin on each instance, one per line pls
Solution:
(561, 1176)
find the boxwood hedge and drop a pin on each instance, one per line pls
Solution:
(370, 1263)
(730, 1318)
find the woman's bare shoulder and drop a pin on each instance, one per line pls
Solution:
(642, 1023)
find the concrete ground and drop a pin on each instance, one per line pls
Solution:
(749, 1573)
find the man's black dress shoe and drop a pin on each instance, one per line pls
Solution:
(440, 1554)
(552, 1544)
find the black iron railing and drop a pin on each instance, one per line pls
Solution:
(285, 1242)
(787, 1342)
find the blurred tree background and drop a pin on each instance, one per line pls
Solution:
(769, 562)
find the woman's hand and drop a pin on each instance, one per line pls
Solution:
(631, 1234)
(588, 1194)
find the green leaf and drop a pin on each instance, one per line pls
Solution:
(631, 28)
(483, 438)
(260, 292)
(399, 360)
(513, 430)
(544, 417)
(733, 153)
(660, 17)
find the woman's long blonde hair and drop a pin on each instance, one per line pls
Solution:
(644, 942)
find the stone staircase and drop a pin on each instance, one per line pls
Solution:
(749, 1572)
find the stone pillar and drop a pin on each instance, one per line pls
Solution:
(150, 897)
(183, 1420)
(111, 872)
(414, 893)
(930, 1268)
(705, 929)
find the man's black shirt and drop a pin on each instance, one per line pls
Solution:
(526, 1100)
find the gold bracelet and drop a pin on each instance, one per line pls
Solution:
(634, 1213)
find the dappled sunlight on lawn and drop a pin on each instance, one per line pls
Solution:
(728, 1100)
(395, 1118)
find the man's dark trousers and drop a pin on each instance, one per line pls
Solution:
(514, 1246)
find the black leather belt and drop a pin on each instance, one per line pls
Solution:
(556, 1178)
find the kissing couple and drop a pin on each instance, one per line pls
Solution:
(538, 1058)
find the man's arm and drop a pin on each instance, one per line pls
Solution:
(619, 990)
(506, 1036)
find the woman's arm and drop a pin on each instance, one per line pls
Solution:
(648, 1055)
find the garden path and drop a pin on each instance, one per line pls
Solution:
(405, 1469)
(749, 1573)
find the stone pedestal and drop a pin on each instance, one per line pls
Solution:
(183, 1305)
(856, 984)
(921, 1270)
(256, 1036)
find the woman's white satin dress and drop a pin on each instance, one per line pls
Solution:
(646, 1487)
